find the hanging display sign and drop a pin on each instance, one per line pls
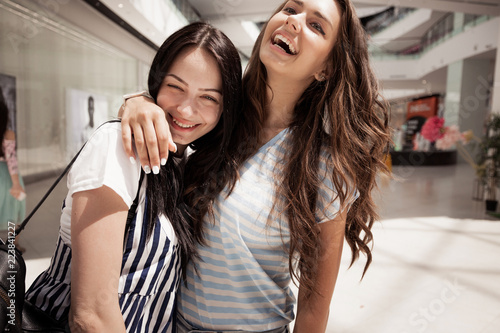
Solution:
(417, 113)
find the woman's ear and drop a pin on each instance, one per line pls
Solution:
(320, 76)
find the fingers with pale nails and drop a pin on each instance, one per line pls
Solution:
(150, 134)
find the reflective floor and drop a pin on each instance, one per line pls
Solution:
(436, 265)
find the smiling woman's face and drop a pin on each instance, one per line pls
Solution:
(299, 38)
(191, 96)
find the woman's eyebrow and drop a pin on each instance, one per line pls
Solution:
(321, 17)
(212, 89)
(177, 78)
(316, 13)
(184, 82)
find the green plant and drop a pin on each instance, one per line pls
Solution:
(488, 157)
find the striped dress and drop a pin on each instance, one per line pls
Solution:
(244, 275)
(150, 268)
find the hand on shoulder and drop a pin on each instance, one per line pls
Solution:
(145, 121)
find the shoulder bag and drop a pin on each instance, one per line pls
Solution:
(16, 314)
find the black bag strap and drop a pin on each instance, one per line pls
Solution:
(33, 211)
(133, 208)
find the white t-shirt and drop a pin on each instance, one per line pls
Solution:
(151, 266)
(103, 161)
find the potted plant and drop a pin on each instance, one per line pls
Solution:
(488, 161)
(487, 151)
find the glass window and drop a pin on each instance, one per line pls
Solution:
(66, 83)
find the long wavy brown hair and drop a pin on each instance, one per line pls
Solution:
(344, 114)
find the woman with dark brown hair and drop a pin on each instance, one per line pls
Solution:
(303, 162)
(124, 241)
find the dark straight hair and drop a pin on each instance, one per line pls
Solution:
(165, 190)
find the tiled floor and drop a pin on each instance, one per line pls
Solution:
(436, 264)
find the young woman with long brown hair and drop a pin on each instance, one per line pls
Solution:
(303, 162)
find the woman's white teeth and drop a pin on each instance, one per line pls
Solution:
(280, 38)
(181, 124)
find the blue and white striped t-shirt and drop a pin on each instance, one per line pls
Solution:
(244, 275)
(150, 271)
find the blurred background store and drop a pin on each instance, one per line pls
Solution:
(65, 64)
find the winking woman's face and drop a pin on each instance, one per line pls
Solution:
(191, 95)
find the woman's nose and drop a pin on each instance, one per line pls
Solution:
(186, 108)
(292, 22)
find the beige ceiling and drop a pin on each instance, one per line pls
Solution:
(228, 15)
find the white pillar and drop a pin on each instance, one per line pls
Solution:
(468, 94)
(453, 93)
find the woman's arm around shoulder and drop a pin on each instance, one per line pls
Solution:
(146, 121)
(313, 312)
(97, 230)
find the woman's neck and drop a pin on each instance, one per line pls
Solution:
(281, 103)
(282, 94)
